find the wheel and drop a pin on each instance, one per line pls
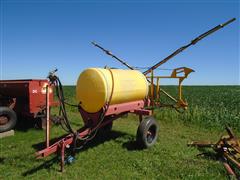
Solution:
(147, 132)
(8, 119)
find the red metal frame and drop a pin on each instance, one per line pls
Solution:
(129, 107)
(91, 120)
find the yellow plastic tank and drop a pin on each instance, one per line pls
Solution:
(94, 87)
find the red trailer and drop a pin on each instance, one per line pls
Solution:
(25, 97)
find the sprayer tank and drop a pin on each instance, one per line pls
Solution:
(94, 87)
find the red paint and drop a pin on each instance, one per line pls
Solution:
(91, 120)
(30, 100)
(125, 107)
(67, 140)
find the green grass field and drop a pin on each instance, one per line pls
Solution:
(115, 156)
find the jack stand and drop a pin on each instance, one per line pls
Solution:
(62, 155)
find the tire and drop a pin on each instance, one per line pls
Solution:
(8, 119)
(147, 132)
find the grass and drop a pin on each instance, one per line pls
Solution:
(115, 156)
(209, 106)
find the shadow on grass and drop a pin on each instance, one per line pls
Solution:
(208, 154)
(132, 146)
(213, 156)
(99, 139)
(45, 165)
(2, 160)
(24, 124)
(42, 145)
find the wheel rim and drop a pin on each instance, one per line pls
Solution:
(3, 120)
(151, 134)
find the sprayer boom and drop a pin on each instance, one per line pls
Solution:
(113, 56)
(193, 42)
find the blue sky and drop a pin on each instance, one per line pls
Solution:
(37, 36)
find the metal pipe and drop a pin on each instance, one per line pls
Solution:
(112, 55)
(62, 155)
(168, 95)
(158, 79)
(180, 89)
(152, 89)
(193, 42)
(47, 117)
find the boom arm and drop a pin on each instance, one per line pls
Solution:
(193, 42)
(112, 55)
